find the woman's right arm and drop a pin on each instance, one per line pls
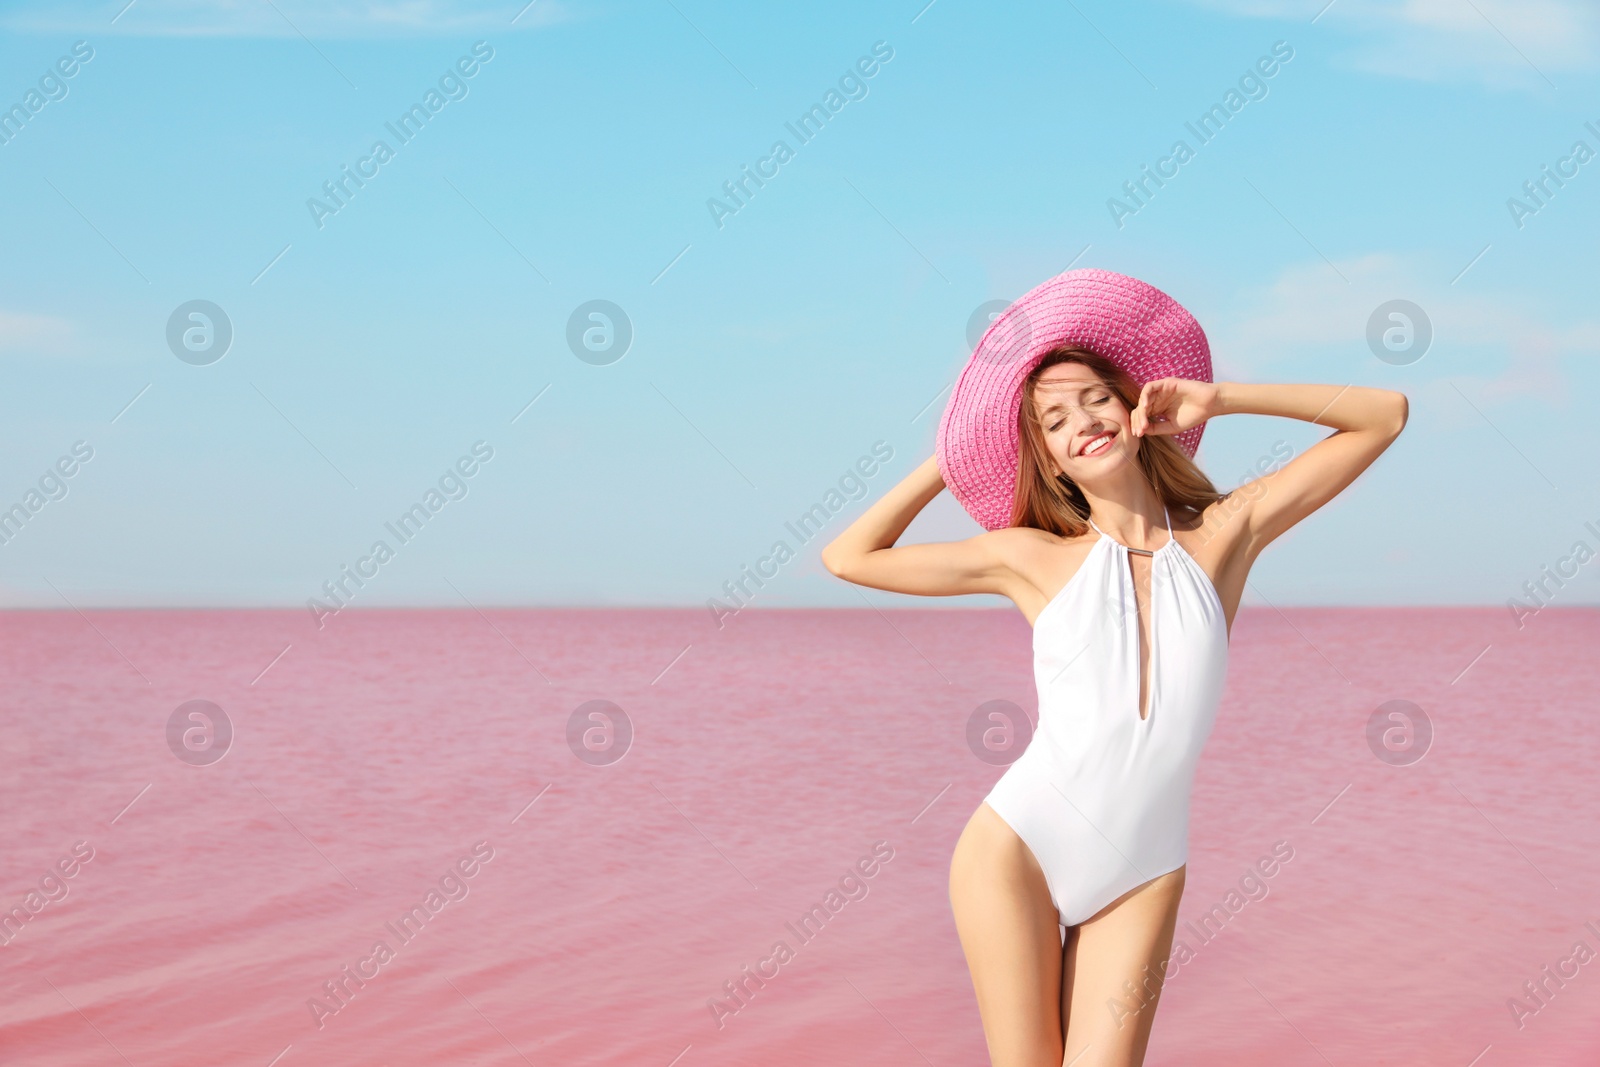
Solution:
(865, 554)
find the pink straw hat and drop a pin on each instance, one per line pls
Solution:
(1132, 323)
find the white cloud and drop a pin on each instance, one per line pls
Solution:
(1308, 311)
(1503, 44)
(34, 334)
(283, 18)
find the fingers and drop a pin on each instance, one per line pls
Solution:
(1140, 419)
(1153, 397)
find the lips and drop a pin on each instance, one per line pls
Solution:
(1097, 444)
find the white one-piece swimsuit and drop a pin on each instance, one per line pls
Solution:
(1100, 795)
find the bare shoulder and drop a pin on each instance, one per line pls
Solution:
(1042, 562)
(1023, 547)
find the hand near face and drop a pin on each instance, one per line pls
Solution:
(1173, 405)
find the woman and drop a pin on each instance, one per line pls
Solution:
(1070, 436)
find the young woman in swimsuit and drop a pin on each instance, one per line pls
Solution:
(1130, 567)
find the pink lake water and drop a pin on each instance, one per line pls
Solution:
(766, 759)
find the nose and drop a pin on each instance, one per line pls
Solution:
(1090, 422)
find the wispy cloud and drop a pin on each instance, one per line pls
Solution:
(1503, 44)
(1492, 339)
(22, 332)
(283, 18)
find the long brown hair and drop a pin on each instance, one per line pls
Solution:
(1056, 504)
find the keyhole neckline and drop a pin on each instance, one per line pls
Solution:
(1140, 712)
(1166, 517)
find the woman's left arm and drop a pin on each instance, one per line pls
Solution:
(1366, 421)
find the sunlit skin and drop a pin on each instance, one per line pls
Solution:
(1044, 1003)
(1094, 439)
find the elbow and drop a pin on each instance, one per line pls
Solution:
(842, 563)
(1401, 409)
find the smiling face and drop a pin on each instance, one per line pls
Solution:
(1075, 419)
(1085, 425)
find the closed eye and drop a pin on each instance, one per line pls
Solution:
(1096, 401)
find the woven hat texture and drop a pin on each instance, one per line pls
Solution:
(1130, 322)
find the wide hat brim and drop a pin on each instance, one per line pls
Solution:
(1130, 322)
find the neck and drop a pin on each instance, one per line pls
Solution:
(1126, 507)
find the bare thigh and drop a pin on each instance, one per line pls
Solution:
(1112, 971)
(1011, 934)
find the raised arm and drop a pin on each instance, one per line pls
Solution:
(865, 554)
(1366, 421)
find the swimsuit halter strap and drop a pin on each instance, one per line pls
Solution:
(1165, 515)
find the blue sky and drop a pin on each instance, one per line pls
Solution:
(374, 346)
